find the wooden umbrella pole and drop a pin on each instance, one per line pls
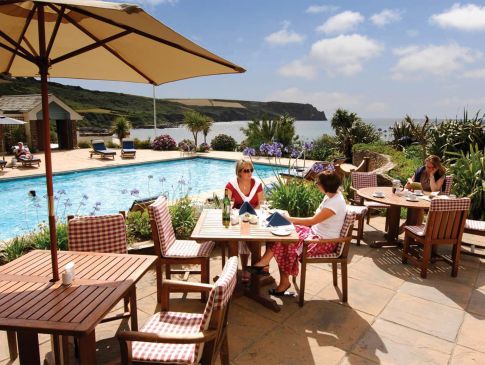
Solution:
(43, 70)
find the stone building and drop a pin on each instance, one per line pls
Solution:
(29, 109)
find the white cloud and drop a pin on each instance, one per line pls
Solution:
(341, 23)
(435, 60)
(468, 17)
(284, 36)
(298, 68)
(316, 9)
(475, 74)
(385, 17)
(344, 54)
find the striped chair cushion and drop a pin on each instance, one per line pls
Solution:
(189, 248)
(169, 323)
(358, 210)
(159, 212)
(417, 230)
(475, 225)
(105, 233)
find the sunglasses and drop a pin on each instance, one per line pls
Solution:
(247, 171)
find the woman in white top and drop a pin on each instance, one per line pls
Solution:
(325, 223)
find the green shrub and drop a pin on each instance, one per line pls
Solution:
(111, 144)
(142, 144)
(468, 171)
(184, 217)
(138, 226)
(84, 144)
(404, 168)
(325, 148)
(402, 135)
(14, 249)
(223, 142)
(299, 198)
(40, 239)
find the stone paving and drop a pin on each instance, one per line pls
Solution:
(392, 317)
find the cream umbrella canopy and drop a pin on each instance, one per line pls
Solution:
(94, 40)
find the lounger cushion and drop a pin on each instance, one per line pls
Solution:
(475, 225)
(128, 150)
(169, 322)
(106, 152)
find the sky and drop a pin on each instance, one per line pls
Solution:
(380, 59)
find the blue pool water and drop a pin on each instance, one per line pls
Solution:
(109, 190)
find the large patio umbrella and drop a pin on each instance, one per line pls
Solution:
(94, 40)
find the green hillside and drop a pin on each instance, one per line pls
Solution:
(99, 108)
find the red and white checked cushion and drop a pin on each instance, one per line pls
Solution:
(358, 210)
(417, 230)
(169, 323)
(189, 248)
(475, 225)
(441, 204)
(371, 204)
(159, 212)
(103, 233)
(448, 183)
(363, 180)
(348, 223)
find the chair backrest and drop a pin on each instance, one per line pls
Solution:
(162, 229)
(446, 218)
(128, 144)
(103, 233)
(98, 145)
(448, 183)
(216, 308)
(346, 230)
(363, 180)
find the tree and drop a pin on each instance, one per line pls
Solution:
(342, 119)
(121, 127)
(207, 127)
(420, 132)
(195, 123)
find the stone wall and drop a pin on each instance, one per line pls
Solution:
(378, 163)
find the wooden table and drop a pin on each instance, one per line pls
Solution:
(30, 303)
(414, 214)
(209, 227)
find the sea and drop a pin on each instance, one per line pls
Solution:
(306, 129)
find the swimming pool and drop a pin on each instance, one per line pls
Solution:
(109, 190)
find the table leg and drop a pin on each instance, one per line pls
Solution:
(87, 349)
(60, 348)
(392, 234)
(133, 309)
(12, 345)
(28, 344)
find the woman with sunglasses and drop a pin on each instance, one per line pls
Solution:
(245, 187)
(325, 223)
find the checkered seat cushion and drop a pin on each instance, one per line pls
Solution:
(169, 245)
(104, 233)
(348, 224)
(185, 323)
(419, 230)
(358, 210)
(475, 225)
(365, 180)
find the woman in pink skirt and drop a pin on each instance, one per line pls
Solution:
(325, 223)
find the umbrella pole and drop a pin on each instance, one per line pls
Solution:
(43, 71)
(154, 114)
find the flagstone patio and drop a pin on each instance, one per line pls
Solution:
(393, 316)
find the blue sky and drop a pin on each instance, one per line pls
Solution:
(376, 58)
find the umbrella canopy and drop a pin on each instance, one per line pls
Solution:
(94, 40)
(6, 120)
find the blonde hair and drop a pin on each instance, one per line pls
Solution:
(241, 164)
(436, 162)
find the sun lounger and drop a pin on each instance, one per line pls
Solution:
(128, 148)
(100, 149)
(29, 161)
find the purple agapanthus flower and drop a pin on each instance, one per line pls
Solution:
(181, 181)
(98, 203)
(61, 192)
(248, 151)
(135, 192)
(162, 179)
(124, 191)
(150, 176)
(265, 149)
(85, 197)
(67, 202)
(308, 146)
(294, 152)
(317, 168)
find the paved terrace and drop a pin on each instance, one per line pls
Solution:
(392, 317)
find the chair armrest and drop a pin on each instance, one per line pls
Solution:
(199, 337)
(178, 286)
(328, 240)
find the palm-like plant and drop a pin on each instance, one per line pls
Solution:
(262, 131)
(207, 127)
(195, 123)
(121, 127)
(420, 132)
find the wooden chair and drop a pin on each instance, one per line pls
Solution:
(360, 212)
(185, 338)
(171, 251)
(445, 226)
(339, 256)
(448, 184)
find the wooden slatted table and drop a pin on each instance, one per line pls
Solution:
(209, 227)
(31, 304)
(414, 213)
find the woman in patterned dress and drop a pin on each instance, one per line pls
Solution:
(325, 223)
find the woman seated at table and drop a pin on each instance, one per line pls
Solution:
(325, 223)
(431, 175)
(244, 187)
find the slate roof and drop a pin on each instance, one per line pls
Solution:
(19, 103)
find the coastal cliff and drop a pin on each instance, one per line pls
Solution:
(99, 108)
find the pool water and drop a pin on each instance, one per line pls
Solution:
(109, 190)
